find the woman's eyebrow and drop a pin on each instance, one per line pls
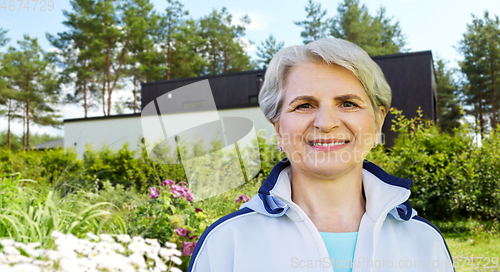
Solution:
(303, 97)
(347, 97)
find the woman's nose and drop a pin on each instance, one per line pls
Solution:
(327, 119)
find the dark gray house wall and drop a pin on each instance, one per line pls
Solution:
(413, 84)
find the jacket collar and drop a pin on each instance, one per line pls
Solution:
(384, 194)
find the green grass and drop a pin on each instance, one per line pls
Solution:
(471, 242)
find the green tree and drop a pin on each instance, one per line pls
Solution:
(377, 35)
(78, 55)
(223, 46)
(144, 60)
(448, 105)
(267, 50)
(3, 37)
(315, 26)
(9, 105)
(170, 30)
(32, 74)
(480, 47)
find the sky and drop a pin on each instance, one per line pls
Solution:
(435, 25)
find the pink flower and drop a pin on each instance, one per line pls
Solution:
(198, 210)
(242, 198)
(181, 232)
(182, 183)
(187, 248)
(167, 182)
(181, 191)
(154, 193)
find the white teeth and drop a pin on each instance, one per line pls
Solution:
(327, 144)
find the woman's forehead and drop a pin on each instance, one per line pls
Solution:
(322, 80)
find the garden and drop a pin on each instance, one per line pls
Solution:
(116, 210)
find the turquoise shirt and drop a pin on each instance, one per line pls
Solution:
(340, 248)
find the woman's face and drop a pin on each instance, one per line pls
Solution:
(327, 123)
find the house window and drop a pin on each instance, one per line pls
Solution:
(253, 99)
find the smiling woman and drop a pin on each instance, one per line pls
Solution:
(324, 207)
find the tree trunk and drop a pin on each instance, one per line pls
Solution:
(28, 114)
(104, 98)
(169, 62)
(493, 96)
(8, 124)
(85, 87)
(135, 95)
(24, 133)
(481, 122)
(108, 77)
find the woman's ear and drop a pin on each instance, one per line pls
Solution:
(380, 123)
(276, 125)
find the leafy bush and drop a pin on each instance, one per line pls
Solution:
(452, 177)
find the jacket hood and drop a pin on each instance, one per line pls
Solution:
(385, 194)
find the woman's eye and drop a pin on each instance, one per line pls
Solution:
(348, 104)
(304, 106)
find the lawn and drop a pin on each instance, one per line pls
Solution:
(474, 246)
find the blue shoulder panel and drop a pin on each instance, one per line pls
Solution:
(271, 180)
(210, 228)
(383, 176)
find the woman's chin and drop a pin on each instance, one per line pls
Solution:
(327, 169)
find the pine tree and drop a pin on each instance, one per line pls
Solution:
(144, 60)
(448, 105)
(78, 57)
(377, 35)
(223, 47)
(315, 26)
(32, 74)
(9, 105)
(267, 50)
(481, 67)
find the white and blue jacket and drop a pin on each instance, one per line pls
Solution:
(272, 233)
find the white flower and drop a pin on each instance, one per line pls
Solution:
(175, 269)
(42, 263)
(26, 268)
(93, 236)
(124, 238)
(138, 260)
(161, 265)
(34, 245)
(107, 238)
(53, 255)
(138, 239)
(10, 250)
(7, 242)
(137, 247)
(170, 245)
(176, 260)
(56, 234)
(6, 268)
(118, 247)
(19, 245)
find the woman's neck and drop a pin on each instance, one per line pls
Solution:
(333, 204)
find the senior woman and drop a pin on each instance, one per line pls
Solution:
(324, 208)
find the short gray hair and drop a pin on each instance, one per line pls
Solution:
(325, 51)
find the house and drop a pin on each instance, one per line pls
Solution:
(410, 75)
